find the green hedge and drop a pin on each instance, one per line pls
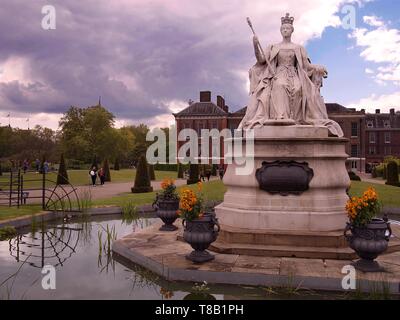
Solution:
(353, 176)
(392, 170)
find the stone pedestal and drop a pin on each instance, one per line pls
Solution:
(312, 219)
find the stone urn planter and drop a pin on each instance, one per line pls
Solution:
(200, 233)
(369, 242)
(199, 296)
(167, 212)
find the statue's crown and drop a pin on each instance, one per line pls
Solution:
(287, 19)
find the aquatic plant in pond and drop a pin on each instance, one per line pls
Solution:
(7, 232)
(129, 212)
(85, 199)
(106, 246)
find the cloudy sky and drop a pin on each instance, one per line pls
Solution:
(146, 59)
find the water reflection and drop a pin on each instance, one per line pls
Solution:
(87, 269)
(50, 246)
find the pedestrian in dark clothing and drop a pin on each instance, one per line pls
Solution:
(25, 166)
(37, 163)
(208, 175)
(93, 175)
(221, 173)
(102, 176)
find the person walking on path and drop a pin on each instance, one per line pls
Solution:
(46, 167)
(93, 175)
(221, 173)
(102, 176)
(25, 165)
(37, 163)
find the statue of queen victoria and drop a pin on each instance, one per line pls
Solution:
(285, 86)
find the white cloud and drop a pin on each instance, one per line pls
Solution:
(19, 120)
(369, 71)
(373, 21)
(382, 102)
(15, 69)
(380, 45)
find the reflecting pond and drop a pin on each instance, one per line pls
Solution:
(86, 269)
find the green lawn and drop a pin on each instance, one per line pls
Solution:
(214, 190)
(81, 177)
(389, 195)
(14, 212)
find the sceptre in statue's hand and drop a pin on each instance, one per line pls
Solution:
(261, 56)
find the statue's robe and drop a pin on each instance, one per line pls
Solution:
(310, 110)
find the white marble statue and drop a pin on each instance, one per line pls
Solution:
(285, 86)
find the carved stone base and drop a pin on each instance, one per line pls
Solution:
(279, 122)
(258, 218)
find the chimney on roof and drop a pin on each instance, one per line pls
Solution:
(377, 110)
(362, 110)
(205, 96)
(221, 102)
(392, 111)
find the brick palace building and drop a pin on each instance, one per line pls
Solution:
(371, 137)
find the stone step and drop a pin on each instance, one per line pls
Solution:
(283, 251)
(283, 238)
(344, 253)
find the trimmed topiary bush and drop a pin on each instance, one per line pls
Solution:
(193, 174)
(142, 179)
(116, 164)
(180, 171)
(392, 172)
(152, 174)
(374, 173)
(62, 175)
(353, 176)
(106, 168)
(214, 170)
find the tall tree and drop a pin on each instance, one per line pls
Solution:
(116, 164)
(106, 169)
(88, 131)
(62, 175)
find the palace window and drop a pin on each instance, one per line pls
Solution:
(354, 150)
(372, 149)
(354, 129)
(372, 137)
(370, 124)
(387, 137)
(386, 123)
(388, 151)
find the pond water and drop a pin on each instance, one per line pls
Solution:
(83, 272)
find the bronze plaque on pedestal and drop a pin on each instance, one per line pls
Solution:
(284, 177)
